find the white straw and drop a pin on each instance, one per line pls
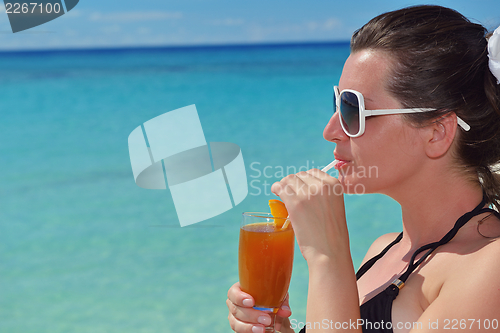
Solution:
(325, 169)
(329, 166)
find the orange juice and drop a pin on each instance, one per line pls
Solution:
(265, 262)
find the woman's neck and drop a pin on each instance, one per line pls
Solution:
(428, 214)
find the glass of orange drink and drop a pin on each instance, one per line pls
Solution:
(265, 260)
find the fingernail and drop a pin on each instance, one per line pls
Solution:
(258, 329)
(286, 308)
(247, 302)
(264, 320)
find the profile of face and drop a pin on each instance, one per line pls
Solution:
(389, 154)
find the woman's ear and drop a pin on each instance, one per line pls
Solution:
(440, 134)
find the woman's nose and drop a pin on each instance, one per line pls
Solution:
(333, 131)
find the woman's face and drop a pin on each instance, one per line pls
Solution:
(389, 152)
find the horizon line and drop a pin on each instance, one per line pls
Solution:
(175, 47)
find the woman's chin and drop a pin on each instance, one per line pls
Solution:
(353, 185)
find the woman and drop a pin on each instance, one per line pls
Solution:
(436, 161)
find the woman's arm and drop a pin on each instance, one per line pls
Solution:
(315, 203)
(333, 296)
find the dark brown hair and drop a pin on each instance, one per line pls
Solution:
(441, 62)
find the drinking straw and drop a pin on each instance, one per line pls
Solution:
(329, 166)
(325, 169)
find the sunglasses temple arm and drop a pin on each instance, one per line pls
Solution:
(394, 111)
(367, 113)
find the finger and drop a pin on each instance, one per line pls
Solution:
(285, 311)
(277, 188)
(322, 175)
(238, 297)
(248, 315)
(320, 182)
(316, 175)
(282, 315)
(285, 187)
(311, 185)
(242, 327)
(289, 185)
(309, 177)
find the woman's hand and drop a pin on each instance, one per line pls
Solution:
(243, 318)
(315, 205)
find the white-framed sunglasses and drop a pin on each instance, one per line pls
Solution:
(353, 113)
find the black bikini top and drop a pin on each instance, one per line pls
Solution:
(376, 313)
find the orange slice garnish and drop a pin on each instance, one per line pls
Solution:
(279, 211)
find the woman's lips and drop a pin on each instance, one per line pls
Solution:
(340, 163)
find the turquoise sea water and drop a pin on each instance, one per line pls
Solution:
(82, 248)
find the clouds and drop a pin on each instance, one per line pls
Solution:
(127, 17)
(308, 30)
(188, 22)
(302, 27)
(153, 23)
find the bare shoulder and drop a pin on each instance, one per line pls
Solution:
(471, 291)
(483, 261)
(472, 265)
(378, 245)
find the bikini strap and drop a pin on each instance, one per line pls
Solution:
(367, 265)
(449, 236)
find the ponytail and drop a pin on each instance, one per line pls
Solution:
(490, 182)
(490, 176)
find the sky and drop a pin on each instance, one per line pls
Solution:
(143, 23)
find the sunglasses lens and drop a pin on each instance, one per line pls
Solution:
(335, 98)
(349, 110)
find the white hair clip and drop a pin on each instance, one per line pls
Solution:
(494, 54)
